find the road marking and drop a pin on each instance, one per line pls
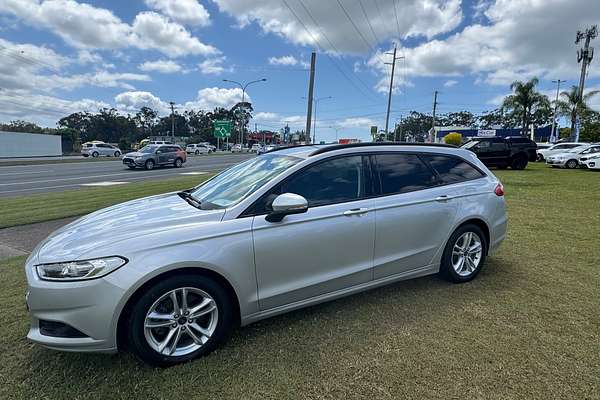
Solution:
(26, 173)
(193, 173)
(105, 183)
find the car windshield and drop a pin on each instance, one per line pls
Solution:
(234, 184)
(149, 149)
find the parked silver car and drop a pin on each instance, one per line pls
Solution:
(154, 155)
(171, 275)
(571, 158)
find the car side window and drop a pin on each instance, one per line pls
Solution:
(452, 169)
(332, 181)
(401, 173)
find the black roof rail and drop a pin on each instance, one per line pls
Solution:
(289, 147)
(376, 144)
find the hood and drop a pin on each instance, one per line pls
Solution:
(134, 154)
(118, 229)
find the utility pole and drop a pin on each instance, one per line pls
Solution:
(435, 103)
(314, 140)
(553, 136)
(393, 64)
(311, 87)
(172, 121)
(584, 56)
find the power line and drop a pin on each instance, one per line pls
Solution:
(396, 15)
(362, 7)
(358, 30)
(322, 48)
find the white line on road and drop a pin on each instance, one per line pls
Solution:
(194, 173)
(105, 183)
(27, 173)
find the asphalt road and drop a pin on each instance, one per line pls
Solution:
(27, 179)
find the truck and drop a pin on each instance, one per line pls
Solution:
(503, 152)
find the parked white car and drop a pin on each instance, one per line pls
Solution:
(197, 149)
(97, 149)
(571, 158)
(256, 148)
(236, 148)
(210, 147)
(542, 154)
(591, 161)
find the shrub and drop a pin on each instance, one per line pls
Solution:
(454, 138)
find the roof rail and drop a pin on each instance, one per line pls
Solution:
(376, 144)
(289, 147)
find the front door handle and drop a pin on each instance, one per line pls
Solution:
(356, 211)
(444, 197)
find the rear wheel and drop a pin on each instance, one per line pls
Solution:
(149, 164)
(95, 154)
(180, 318)
(178, 163)
(464, 254)
(519, 162)
(571, 164)
(117, 153)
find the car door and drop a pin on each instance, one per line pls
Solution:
(325, 249)
(413, 214)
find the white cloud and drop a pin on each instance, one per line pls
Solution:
(283, 60)
(359, 122)
(415, 19)
(188, 12)
(87, 27)
(88, 57)
(209, 98)
(450, 83)
(162, 66)
(134, 100)
(214, 66)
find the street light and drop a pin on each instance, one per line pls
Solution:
(244, 86)
(336, 128)
(315, 116)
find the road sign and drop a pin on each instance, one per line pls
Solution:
(222, 129)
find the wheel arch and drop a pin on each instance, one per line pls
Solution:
(480, 223)
(121, 335)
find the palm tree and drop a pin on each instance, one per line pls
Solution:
(570, 105)
(524, 101)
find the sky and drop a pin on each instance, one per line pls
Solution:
(64, 56)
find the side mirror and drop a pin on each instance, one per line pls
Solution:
(286, 204)
(157, 152)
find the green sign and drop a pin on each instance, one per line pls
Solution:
(222, 129)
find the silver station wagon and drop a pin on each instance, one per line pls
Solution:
(171, 275)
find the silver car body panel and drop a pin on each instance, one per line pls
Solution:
(305, 259)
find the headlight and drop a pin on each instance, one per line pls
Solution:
(79, 270)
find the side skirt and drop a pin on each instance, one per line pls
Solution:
(415, 273)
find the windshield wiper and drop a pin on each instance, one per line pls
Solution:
(187, 196)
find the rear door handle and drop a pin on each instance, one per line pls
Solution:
(444, 197)
(356, 211)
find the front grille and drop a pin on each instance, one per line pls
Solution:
(59, 329)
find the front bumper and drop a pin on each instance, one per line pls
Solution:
(88, 306)
(132, 163)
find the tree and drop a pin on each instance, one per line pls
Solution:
(491, 119)
(21, 126)
(460, 118)
(145, 120)
(590, 126)
(524, 102)
(569, 104)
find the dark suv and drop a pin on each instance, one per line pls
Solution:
(503, 152)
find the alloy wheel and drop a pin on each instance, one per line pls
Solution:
(181, 321)
(466, 254)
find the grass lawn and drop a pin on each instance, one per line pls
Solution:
(54, 205)
(527, 328)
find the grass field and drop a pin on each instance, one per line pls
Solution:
(527, 328)
(48, 206)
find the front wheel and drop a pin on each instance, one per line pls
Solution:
(540, 158)
(519, 162)
(95, 154)
(180, 318)
(464, 254)
(117, 153)
(197, 152)
(571, 164)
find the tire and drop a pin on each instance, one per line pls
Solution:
(117, 153)
(197, 152)
(149, 164)
(519, 162)
(450, 268)
(95, 154)
(540, 158)
(217, 321)
(178, 163)
(571, 164)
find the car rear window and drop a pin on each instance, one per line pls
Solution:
(401, 173)
(452, 169)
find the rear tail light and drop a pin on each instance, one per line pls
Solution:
(499, 190)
